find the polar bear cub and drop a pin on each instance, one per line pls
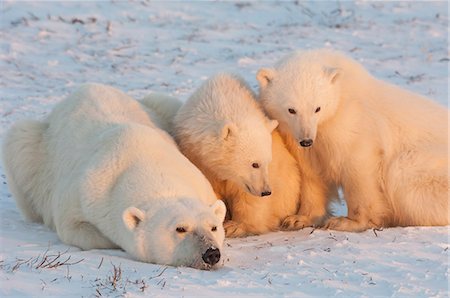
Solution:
(102, 175)
(387, 147)
(223, 130)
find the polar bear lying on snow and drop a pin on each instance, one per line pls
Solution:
(102, 175)
(386, 147)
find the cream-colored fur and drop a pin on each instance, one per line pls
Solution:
(162, 109)
(387, 147)
(223, 131)
(102, 175)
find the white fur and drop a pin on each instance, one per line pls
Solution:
(101, 174)
(387, 147)
(162, 109)
(223, 130)
(213, 115)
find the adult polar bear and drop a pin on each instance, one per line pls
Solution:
(101, 174)
(387, 147)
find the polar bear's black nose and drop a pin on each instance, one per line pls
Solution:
(211, 256)
(266, 193)
(306, 142)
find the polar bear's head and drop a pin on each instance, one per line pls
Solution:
(301, 92)
(183, 232)
(224, 130)
(247, 154)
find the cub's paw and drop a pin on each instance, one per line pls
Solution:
(234, 229)
(342, 223)
(295, 222)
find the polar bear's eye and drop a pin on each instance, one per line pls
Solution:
(181, 230)
(318, 110)
(292, 111)
(255, 165)
(213, 229)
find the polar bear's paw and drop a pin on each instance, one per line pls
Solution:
(296, 222)
(342, 223)
(235, 229)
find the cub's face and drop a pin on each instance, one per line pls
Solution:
(247, 156)
(300, 101)
(183, 234)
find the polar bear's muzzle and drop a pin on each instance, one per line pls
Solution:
(208, 260)
(208, 252)
(211, 256)
(265, 191)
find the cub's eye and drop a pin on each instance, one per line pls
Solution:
(181, 230)
(292, 111)
(213, 229)
(255, 165)
(318, 110)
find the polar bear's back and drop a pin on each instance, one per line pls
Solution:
(133, 165)
(103, 120)
(96, 103)
(82, 118)
(312, 63)
(412, 120)
(79, 120)
(99, 122)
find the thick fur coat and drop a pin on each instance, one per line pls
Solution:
(102, 175)
(162, 109)
(385, 146)
(223, 130)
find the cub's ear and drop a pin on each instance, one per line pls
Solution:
(265, 76)
(132, 217)
(332, 73)
(272, 124)
(227, 130)
(219, 209)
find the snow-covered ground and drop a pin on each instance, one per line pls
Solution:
(48, 48)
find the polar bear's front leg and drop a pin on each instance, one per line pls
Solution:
(342, 223)
(314, 201)
(367, 207)
(83, 235)
(234, 229)
(296, 222)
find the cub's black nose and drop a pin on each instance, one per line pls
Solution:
(306, 142)
(211, 256)
(266, 193)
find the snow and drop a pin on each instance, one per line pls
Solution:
(47, 49)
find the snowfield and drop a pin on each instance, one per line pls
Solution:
(49, 48)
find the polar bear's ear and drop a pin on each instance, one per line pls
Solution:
(227, 130)
(219, 209)
(332, 73)
(265, 76)
(132, 216)
(272, 124)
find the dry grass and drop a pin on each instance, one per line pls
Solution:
(115, 284)
(46, 260)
